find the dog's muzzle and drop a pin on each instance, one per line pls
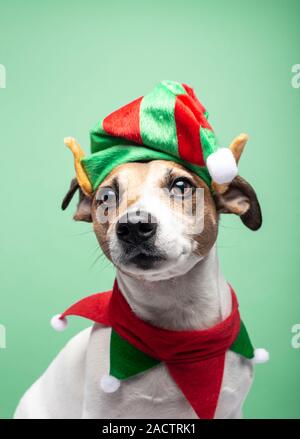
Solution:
(136, 232)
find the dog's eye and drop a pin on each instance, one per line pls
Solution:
(181, 188)
(107, 196)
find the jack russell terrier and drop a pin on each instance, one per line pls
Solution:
(168, 341)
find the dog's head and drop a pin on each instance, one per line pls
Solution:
(155, 220)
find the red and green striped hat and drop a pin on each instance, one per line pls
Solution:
(169, 123)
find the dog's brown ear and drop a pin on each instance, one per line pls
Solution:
(240, 198)
(83, 212)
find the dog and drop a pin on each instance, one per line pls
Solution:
(168, 270)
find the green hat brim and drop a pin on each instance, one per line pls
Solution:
(99, 165)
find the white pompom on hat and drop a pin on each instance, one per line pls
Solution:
(222, 166)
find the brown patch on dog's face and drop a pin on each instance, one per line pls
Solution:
(208, 236)
(123, 180)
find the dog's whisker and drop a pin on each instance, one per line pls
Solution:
(83, 233)
(95, 250)
(95, 261)
(101, 258)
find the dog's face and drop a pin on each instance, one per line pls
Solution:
(156, 220)
(147, 221)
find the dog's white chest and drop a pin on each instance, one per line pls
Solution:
(154, 394)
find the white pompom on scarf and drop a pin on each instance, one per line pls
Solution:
(261, 355)
(109, 383)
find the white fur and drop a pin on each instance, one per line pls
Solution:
(59, 392)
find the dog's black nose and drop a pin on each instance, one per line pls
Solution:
(136, 227)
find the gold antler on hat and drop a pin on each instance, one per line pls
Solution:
(236, 147)
(81, 175)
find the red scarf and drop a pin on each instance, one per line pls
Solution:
(195, 358)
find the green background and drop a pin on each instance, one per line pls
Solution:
(70, 63)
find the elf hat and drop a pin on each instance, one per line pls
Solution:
(169, 123)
